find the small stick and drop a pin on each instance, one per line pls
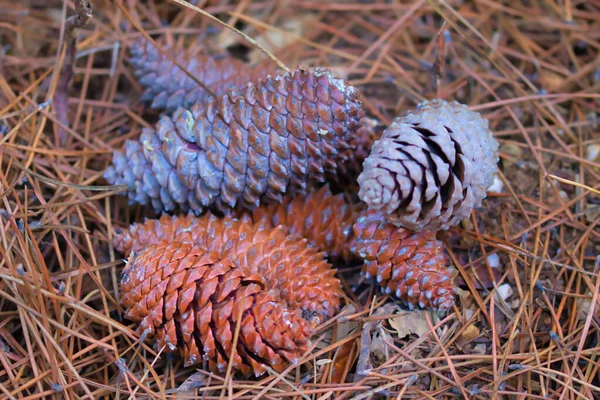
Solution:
(572, 183)
(440, 59)
(82, 17)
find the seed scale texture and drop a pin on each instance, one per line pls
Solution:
(269, 253)
(288, 264)
(251, 146)
(430, 168)
(350, 165)
(411, 265)
(194, 301)
(166, 86)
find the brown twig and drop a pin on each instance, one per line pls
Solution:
(440, 59)
(72, 25)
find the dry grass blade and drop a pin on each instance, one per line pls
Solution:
(570, 182)
(242, 34)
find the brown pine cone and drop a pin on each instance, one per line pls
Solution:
(167, 86)
(251, 145)
(431, 167)
(289, 265)
(191, 300)
(410, 265)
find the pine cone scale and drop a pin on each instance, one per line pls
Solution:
(262, 252)
(391, 254)
(417, 261)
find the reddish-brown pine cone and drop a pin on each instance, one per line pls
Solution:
(252, 145)
(287, 264)
(193, 301)
(168, 86)
(410, 265)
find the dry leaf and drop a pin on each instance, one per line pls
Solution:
(275, 40)
(379, 348)
(479, 274)
(188, 387)
(585, 305)
(466, 299)
(271, 40)
(341, 358)
(413, 322)
(345, 328)
(470, 333)
(552, 81)
(479, 349)
(467, 225)
(364, 365)
(592, 212)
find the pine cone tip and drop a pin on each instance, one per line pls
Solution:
(339, 83)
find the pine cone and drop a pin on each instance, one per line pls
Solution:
(411, 265)
(324, 219)
(168, 86)
(431, 167)
(351, 164)
(251, 145)
(289, 265)
(193, 301)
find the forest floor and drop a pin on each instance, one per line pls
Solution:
(526, 323)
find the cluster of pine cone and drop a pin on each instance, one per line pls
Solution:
(247, 289)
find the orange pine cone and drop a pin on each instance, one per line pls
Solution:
(324, 219)
(411, 265)
(290, 265)
(192, 300)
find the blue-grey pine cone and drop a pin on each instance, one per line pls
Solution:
(250, 146)
(431, 167)
(167, 86)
